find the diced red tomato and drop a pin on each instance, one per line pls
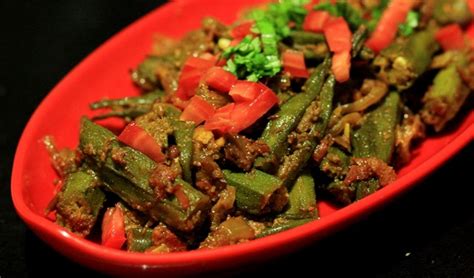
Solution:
(209, 57)
(236, 117)
(315, 21)
(221, 120)
(293, 63)
(140, 140)
(450, 37)
(245, 91)
(247, 113)
(191, 74)
(242, 30)
(470, 3)
(219, 79)
(51, 215)
(470, 34)
(113, 228)
(387, 28)
(338, 35)
(341, 66)
(197, 111)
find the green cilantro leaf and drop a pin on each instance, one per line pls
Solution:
(411, 22)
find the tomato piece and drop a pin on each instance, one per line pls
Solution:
(221, 120)
(140, 140)
(470, 4)
(341, 66)
(245, 114)
(338, 35)
(113, 228)
(236, 117)
(197, 111)
(450, 37)
(315, 21)
(191, 74)
(470, 34)
(219, 79)
(244, 91)
(387, 27)
(242, 30)
(293, 63)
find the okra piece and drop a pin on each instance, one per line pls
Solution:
(277, 130)
(404, 61)
(128, 107)
(126, 172)
(302, 199)
(376, 136)
(451, 11)
(257, 192)
(293, 163)
(358, 40)
(183, 134)
(139, 237)
(283, 225)
(335, 163)
(365, 188)
(444, 99)
(303, 37)
(79, 202)
(144, 75)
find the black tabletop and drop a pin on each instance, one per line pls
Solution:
(427, 232)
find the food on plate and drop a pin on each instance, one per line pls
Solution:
(240, 130)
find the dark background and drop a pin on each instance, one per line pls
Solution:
(427, 232)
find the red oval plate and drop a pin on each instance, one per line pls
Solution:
(105, 73)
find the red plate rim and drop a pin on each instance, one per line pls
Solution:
(310, 231)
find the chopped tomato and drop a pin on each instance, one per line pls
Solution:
(470, 3)
(140, 140)
(293, 63)
(197, 111)
(341, 66)
(221, 120)
(470, 34)
(450, 37)
(113, 228)
(219, 79)
(242, 30)
(191, 74)
(245, 91)
(247, 113)
(338, 35)
(387, 28)
(315, 21)
(236, 117)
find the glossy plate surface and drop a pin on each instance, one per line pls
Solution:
(105, 73)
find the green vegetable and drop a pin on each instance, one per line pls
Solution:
(408, 27)
(128, 107)
(376, 136)
(183, 134)
(283, 225)
(404, 61)
(79, 202)
(277, 130)
(302, 199)
(257, 192)
(444, 99)
(254, 58)
(129, 179)
(293, 163)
